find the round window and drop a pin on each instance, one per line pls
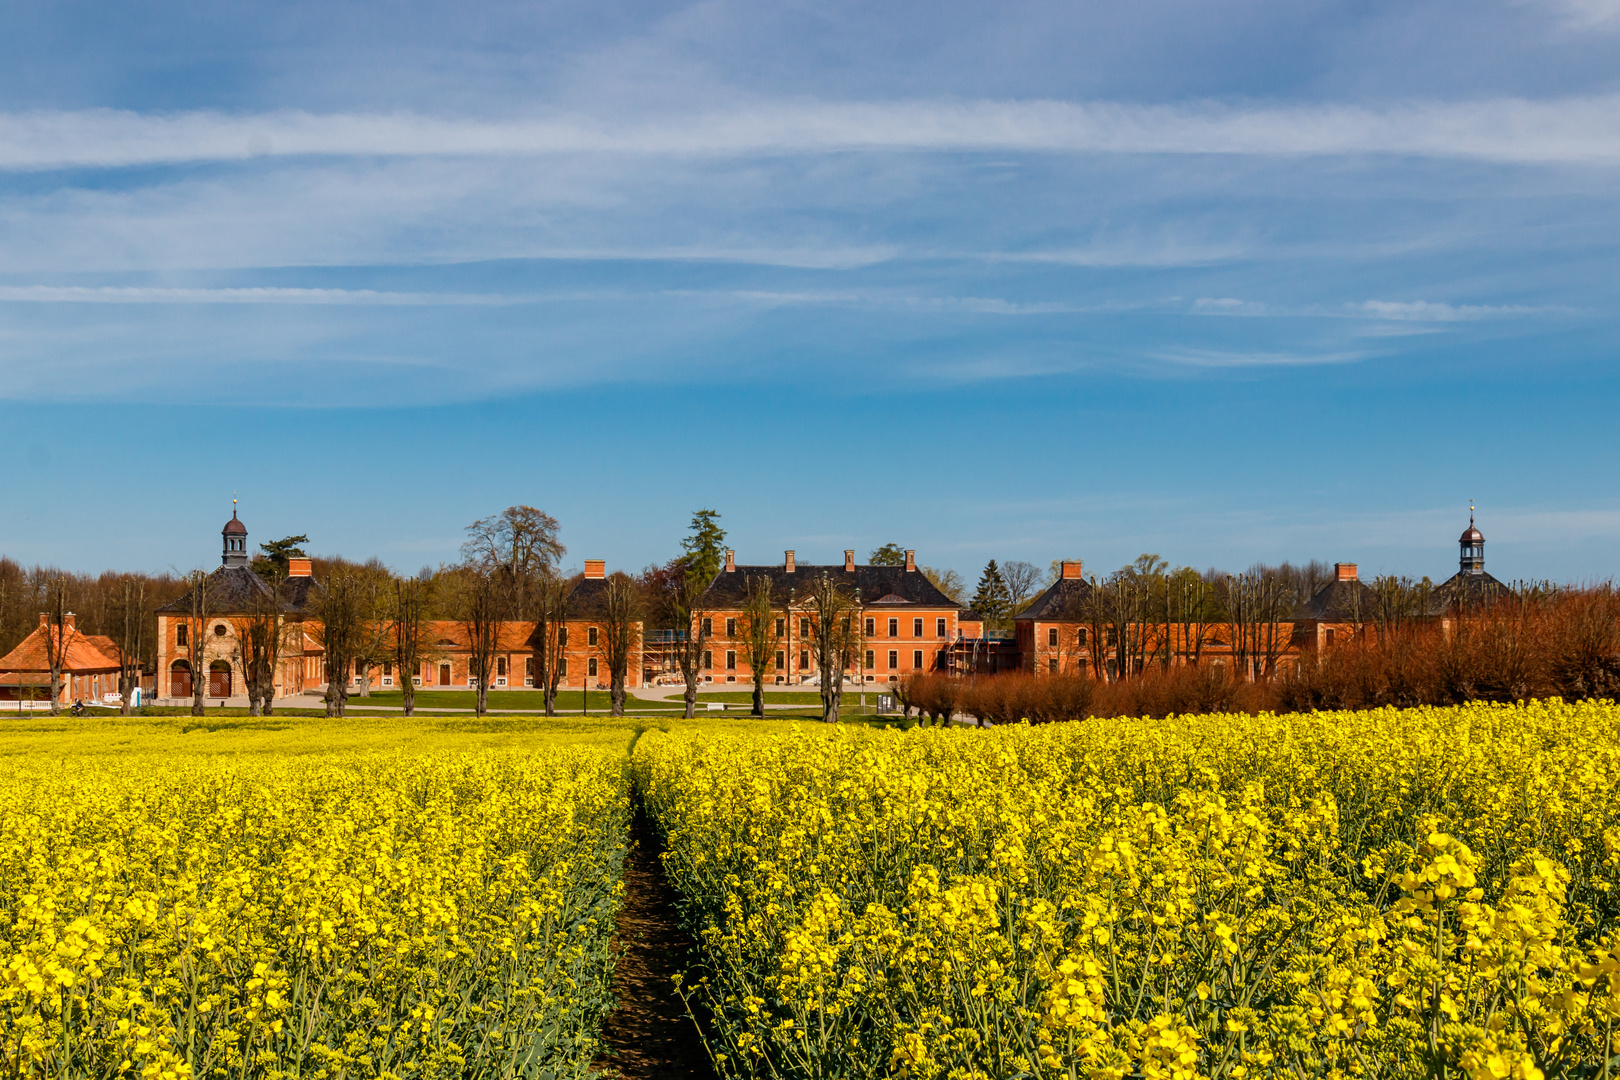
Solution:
(219, 630)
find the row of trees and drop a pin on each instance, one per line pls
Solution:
(114, 605)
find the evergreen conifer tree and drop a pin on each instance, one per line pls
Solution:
(992, 598)
(704, 549)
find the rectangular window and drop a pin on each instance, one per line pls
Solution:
(562, 637)
(871, 659)
(708, 628)
(804, 627)
(781, 627)
(781, 660)
(500, 666)
(180, 632)
(708, 659)
(916, 628)
(1113, 636)
(1051, 636)
(939, 627)
(1081, 637)
(1330, 637)
(731, 660)
(871, 627)
(804, 659)
(1051, 666)
(731, 628)
(590, 636)
(388, 667)
(528, 667)
(894, 660)
(590, 667)
(916, 660)
(894, 627)
(359, 667)
(562, 668)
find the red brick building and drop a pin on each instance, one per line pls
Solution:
(907, 624)
(88, 665)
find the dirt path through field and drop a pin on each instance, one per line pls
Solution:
(648, 1035)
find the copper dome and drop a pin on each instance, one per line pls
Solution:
(233, 527)
(1471, 536)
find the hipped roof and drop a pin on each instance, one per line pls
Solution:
(84, 654)
(889, 585)
(237, 590)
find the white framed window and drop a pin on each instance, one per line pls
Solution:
(388, 680)
(472, 682)
(500, 681)
(416, 680)
(529, 681)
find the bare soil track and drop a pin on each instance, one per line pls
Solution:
(648, 1035)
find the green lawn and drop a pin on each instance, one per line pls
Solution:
(523, 700)
(779, 697)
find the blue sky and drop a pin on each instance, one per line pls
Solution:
(1233, 282)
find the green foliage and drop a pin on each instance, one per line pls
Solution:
(992, 599)
(273, 556)
(890, 554)
(704, 549)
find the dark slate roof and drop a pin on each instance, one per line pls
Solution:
(233, 590)
(588, 598)
(1060, 602)
(1339, 601)
(1469, 591)
(890, 585)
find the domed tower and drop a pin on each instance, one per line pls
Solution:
(234, 535)
(1472, 544)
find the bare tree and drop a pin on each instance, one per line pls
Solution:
(480, 602)
(340, 608)
(133, 614)
(835, 634)
(550, 596)
(521, 540)
(760, 636)
(408, 635)
(1023, 582)
(948, 582)
(196, 623)
(57, 639)
(375, 590)
(682, 600)
(622, 616)
(259, 644)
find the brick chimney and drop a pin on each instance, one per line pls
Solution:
(1344, 571)
(595, 569)
(1071, 570)
(731, 561)
(788, 567)
(911, 560)
(300, 568)
(849, 560)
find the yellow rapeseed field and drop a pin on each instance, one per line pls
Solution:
(280, 907)
(1425, 893)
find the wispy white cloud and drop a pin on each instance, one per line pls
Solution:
(137, 294)
(1580, 129)
(1432, 311)
(1216, 358)
(1581, 15)
(1227, 305)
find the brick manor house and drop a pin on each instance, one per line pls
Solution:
(235, 590)
(907, 626)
